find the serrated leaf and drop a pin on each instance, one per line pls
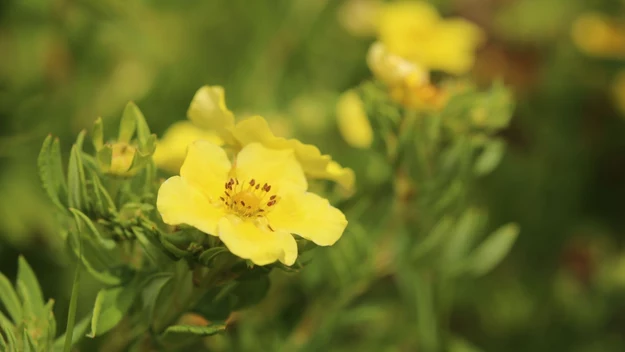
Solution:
(51, 172)
(27, 277)
(10, 300)
(97, 134)
(493, 250)
(110, 308)
(490, 157)
(128, 123)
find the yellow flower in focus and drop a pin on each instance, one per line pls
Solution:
(618, 91)
(172, 148)
(597, 35)
(209, 109)
(415, 31)
(253, 205)
(352, 120)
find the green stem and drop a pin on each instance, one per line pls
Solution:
(73, 303)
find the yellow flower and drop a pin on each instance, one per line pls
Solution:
(392, 69)
(253, 205)
(172, 148)
(353, 122)
(415, 31)
(123, 155)
(208, 109)
(358, 16)
(618, 91)
(597, 35)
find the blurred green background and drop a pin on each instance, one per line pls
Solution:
(64, 63)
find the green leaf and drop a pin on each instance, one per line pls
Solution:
(97, 134)
(10, 300)
(464, 235)
(3, 343)
(190, 330)
(128, 123)
(104, 157)
(28, 345)
(49, 313)
(106, 278)
(457, 344)
(51, 172)
(110, 308)
(9, 332)
(151, 290)
(210, 254)
(493, 250)
(80, 217)
(154, 253)
(490, 157)
(77, 194)
(143, 130)
(434, 239)
(73, 303)
(102, 193)
(26, 276)
(79, 331)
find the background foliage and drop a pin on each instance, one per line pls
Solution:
(65, 63)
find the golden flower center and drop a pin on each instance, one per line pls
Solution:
(248, 199)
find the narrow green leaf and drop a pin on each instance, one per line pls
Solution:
(8, 330)
(97, 134)
(80, 217)
(50, 171)
(110, 308)
(79, 331)
(464, 235)
(49, 313)
(434, 239)
(73, 303)
(493, 250)
(104, 157)
(77, 183)
(149, 146)
(10, 300)
(28, 345)
(208, 255)
(26, 276)
(490, 157)
(103, 194)
(128, 123)
(151, 290)
(3, 343)
(195, 330)
(143, 130)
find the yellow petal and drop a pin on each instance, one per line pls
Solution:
(352, 120)
(309, 216)
(261, 246)
(172, 148)
(316, 165)
(206, 167)
(278, 168)
(453, 45)
(179, 202)
(208, 110)
(392, 69)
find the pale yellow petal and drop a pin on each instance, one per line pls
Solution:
(172, 147)
(208, 110)
(179, 202)
(309, 216)
(206, 167)
(262, 246)
(352, 120)
(276, 167)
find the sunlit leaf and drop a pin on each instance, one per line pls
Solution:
(492, 251)
(110, 308)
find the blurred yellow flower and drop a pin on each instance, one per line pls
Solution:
(415, 31)
(352, 120)
(208, 109)
(598, 35)
(253, 204)
(358, 16)
(172, 148)
(618, 91)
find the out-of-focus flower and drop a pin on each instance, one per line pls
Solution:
(415, 31)
(618, 91)
(172, 148)
(599, 35)
(253, 205)
(208, 109)
(408, 83)
(352, 120)
(358, 16)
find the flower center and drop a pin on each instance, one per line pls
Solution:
(248, 199)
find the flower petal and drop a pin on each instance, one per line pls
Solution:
(179, 202)
(308, 216)
(314, 164)
(172, 148)
(352, 120)
(279, 168)
(206, 167)
(262, 247)
(208, 110)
